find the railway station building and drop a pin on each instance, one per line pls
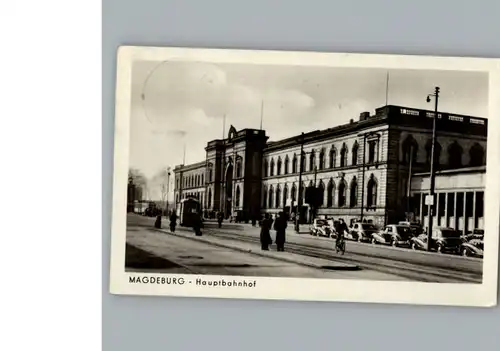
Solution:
(375, 168)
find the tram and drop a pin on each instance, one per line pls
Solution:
(187, 211)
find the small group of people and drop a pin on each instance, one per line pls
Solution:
(280, 224)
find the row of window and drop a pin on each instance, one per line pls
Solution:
(192, 181)
(276, 198)
(455, 153)
(197, 195)
(451, 204)
(270, 168)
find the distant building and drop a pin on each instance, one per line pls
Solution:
(370, 169)
(134, 195)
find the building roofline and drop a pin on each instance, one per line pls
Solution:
(478, 169)
(383, 115)
(189, 167)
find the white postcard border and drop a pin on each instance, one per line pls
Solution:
(306, 289)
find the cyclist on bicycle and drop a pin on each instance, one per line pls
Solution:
(340, 233)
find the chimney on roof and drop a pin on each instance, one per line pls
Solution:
(363, 116)
(351, 121)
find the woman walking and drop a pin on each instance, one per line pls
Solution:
(265, 233)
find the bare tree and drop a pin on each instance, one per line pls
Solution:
(161, 181)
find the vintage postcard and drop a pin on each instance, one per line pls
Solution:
(306, 176)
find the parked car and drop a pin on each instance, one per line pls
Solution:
(393, 234)
(443, 240)
(416, 227)
(321, 227)
(472, 248)
(362, 232)
(475, 234)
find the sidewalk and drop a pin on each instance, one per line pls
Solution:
(254, 249)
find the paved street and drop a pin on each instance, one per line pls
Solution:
(235, 249)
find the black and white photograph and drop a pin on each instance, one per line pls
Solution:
(306, 176)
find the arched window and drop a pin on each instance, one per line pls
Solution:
(266, 168)
(322, 159)
(355, 148)
(343, 156)
(264, 198)
(410, 150)
(271, 171)
(202, 179)
(278, 166)
(294, 164)
(271, 196)
(278, 197)
(437, 152)
(176, 198)
(329, 193)
(285, 195)
(333, 157)
(371, 192)
(312, 161)
(210, 174)
(476, 154)
(353, 196)
(209, 198)
(455, 152)
(342, 193)
(303, 162)
(238, 169)
(238, 194)
(287, 162)
(294, 192)
(321, 193)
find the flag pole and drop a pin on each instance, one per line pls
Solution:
(184, 153)
(261, 113)
(387, 89)
(224, 126)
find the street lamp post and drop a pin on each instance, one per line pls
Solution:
(299, 197)
(432, 201)
(168, 189)
(365, 136)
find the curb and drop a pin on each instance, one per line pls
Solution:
(342, 267)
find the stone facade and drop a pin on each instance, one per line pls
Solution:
(363, 167)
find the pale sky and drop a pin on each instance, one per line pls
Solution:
(186, 102)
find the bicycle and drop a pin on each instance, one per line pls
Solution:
(340, 246)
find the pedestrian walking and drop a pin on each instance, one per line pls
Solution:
(265, 233)
(280, 227)
(220, 218)
(197, 223)
(158, 222)
(173, 221)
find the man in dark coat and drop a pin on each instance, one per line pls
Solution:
(220, 218)
(265, 233)
(173, 221)
(197, 224)
(280, 227)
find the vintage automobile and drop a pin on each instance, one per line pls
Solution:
(472, 248)
(362, 232)
(443, 240)
(321, 227)
(416, 227)
(393, 234)
(475, 234)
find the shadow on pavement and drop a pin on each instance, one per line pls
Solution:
(140, 259)
(341, 268)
